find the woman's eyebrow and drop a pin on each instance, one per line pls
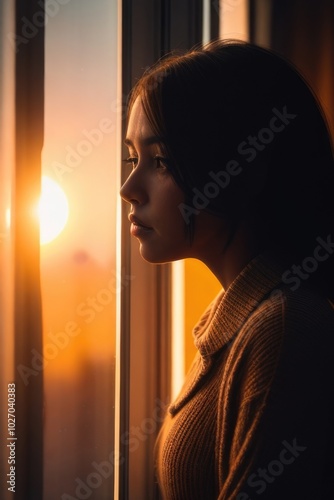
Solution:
(147, 141)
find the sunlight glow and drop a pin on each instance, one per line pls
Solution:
(8, 218)
(53, 210)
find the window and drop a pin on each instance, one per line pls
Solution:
(66, 303)
(80, 281)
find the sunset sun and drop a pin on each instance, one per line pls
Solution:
(53, 210)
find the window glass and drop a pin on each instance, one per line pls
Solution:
(80, 282)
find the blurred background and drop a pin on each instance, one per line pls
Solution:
(96, 340)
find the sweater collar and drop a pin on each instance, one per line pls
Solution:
(230, 310)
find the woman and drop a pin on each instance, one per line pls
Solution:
(233, 165)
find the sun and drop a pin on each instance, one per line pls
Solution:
(52, 209)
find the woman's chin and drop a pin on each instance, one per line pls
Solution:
(157, 256)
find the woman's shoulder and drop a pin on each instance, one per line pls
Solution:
(301, 320)
(304, 308)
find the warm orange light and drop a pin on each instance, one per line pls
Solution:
(53, 210)
(8, 218)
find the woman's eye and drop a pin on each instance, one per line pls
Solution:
(132, 160)
(160, 161)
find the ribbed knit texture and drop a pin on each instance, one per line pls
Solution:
(255, 344)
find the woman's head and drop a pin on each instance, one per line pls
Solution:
(244, 136)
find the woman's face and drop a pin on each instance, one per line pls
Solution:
(154, 196)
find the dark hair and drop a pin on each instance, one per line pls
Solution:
(237, 108)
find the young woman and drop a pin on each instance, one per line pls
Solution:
(233, 165)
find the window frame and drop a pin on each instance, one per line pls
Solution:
(149, 30)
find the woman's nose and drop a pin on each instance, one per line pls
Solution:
(132, 191)
(125, 193)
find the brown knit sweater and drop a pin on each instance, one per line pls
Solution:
(254, 417)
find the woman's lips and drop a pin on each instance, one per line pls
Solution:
(138, 227)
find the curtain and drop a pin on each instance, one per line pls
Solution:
(302, 31)
(21, 137)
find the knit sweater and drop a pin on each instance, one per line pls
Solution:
(254, 417)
